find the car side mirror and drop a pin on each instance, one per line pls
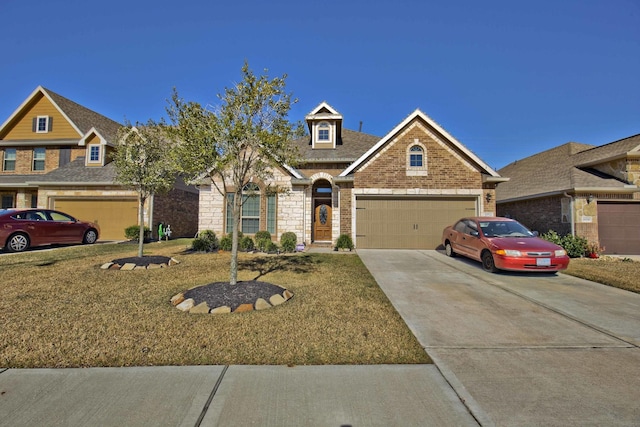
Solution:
(535, 233)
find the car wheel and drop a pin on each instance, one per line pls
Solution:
(18, 242)
(487, 262)
(448, 249)
(90, 237)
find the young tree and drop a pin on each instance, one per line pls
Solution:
(143, 163)
(245, 137)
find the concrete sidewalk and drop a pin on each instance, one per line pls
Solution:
(384, 395)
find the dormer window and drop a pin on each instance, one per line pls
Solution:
(323, 132)
(94, 154)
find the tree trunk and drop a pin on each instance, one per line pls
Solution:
(237, 206)
(142, 199)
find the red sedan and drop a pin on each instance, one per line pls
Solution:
(503, 244)
(21, 229)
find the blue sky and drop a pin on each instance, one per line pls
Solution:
(506, 78)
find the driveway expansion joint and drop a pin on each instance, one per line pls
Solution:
(211, 396)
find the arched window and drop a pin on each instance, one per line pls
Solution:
(416, 159)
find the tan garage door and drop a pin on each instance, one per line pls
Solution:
(407, 223)
(112, 215)
(619, 228)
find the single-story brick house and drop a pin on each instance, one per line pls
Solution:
(55, 153)
(590, 191)
(398, 191)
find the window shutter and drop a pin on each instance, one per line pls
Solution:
(34, 124)
(50, 124)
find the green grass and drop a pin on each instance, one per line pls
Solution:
(59, 309)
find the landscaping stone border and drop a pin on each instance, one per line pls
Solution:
(128, 266)
(189, 305)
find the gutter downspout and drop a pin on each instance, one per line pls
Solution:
(573, 227)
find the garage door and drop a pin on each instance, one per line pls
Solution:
(619, 227)
(112, 215)
(407, 223)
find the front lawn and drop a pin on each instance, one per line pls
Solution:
(611, 271)
(59, 309)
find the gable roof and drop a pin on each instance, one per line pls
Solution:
(566, 168)
(417, 114)
(82, 119)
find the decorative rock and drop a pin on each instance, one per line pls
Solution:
(114, 267)
(201, 308)
(243, 308)
(287, 294)
(140, 267)
(173, 261)
(276, 299)
(154, 266)
(186, 305)
(221, 310)
(128, 266)
(177, 299)
(261, 304)
(106, 266)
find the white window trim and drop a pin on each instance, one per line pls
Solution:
(5, 159)
(417, 170)
(329, 128)
(43, 159)
(95, 162)
(46, 124)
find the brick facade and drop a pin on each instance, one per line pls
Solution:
(178, 208)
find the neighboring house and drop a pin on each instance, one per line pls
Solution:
(396, 192)
(57, 154)
(582, 189)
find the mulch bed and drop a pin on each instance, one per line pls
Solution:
(222, 293)
(144, 261)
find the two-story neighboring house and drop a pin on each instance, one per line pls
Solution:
(398, 191)
(590, 191)
(55, 153)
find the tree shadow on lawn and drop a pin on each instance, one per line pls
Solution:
(269, 264)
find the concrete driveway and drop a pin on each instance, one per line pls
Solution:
(520, 349)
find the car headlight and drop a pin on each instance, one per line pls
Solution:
(509, 252)
(560, 252)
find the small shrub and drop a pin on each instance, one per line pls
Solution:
(263, 238)
(344, 242)
(288, 241)
(205, 242)
(226, 242)
(575, 246)
(246, 244)
(133, 232)
(271, 247)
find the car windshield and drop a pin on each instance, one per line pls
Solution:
(504, 229)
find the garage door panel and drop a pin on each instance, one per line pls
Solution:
(111, 215)
(619, 227)
(407, 223)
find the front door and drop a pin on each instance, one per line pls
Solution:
(322, 222)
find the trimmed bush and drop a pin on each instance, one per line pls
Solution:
(133, 232)
(271, 247)
(263, 238)
(226, 242)
(344, 242)
(288, 241)
(575, 246)
(246, 244)
(205, 242)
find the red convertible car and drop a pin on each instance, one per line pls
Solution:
(21, 229)
(503, 244)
